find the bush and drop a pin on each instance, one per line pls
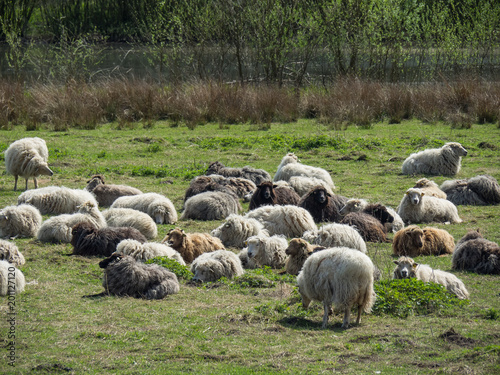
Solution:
(182, 272)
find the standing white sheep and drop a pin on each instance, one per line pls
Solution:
(149, 250)
(268, 251)
(20, 221)
(216, 264)
(11, 279)
(290, 166)
(235, 231)
(157, 206)
(436, 161)
(341, 277)
(27, 158)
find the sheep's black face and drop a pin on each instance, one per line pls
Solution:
(266, 193)
(114, 258)
(320, 196)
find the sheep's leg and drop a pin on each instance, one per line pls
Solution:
(358, 319)
(347, 317)
(15, 183)
(327, 307)
(35, 181)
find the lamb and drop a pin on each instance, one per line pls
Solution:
(157, 206)
(290, 166)
(128, 217)
(124, 276)
(27, 157)
(429, 187)
(59, 228)
(407, 268)
(413, 241)
(476, 254)
(416, 207)
(481, 190)
(19, 221)
(339, 276)
(370, 228)
(257, 176)
(216, 264)
(211, 205)
(383, 213)
(142, 252)
(88, 240)
(298, 251)
(56, 200)
(336, 235)
(322, 205)
(192, 245)
(106, 194)
(268, 193)
(10, 253)
(290, 221)
(236, 229)
(444, 161)
(303, 184)
(12, 280)
(267, 251)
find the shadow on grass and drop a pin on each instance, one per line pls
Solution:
(302, 323)
(96, 296)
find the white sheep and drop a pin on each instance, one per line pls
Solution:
(358, 205)
(210, 205)
(407, 268)
(336, 235)
(149, 250)
(216, 264)
(290, 166)
(246, 262)
(128, 217)
(59, 228)
(339, 276)
(236, 229)
(303, 184)
(27, 158)
(290, 221)
(416, 207)
(436, 161)
(20, 221)
(56, 200)
(429, 187)
(159, 207)
(11, 279)
(267, 251)
(10, 253)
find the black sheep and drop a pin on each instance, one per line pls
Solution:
(370, 228)
(272, 195)
(322, 205)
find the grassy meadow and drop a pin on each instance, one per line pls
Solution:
(63, 326)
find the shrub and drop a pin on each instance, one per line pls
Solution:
(182, 272)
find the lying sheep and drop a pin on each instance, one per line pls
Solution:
(480, 190)
(476, 254)
(59, 228)
(124, 276)
(158, 207)
(322, 205)
(298, 251)
(211, 205)
(430, 188)
(416, 207)
(192, 245)
(236, 229)
(56, 200)
(302, 184)
(336, 235)
(216, 264)
(257, 176)
(444, 161)
(267, 251)
(246, 262)
(11, 279)
(20, 221)
(290, 221)
(290, 166)
(268, 193)
(371, 229)
(106, 194)
(413, 241)
(87, 240)
(10, 253)
(386, 215)
(407, 268)
(143, 251)
(27, 158)
(128, 217)
(339, 276)
(238, 185)
(202, 184)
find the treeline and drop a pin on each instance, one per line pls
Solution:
(278, 41)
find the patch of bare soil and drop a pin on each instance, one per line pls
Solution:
(456, 338)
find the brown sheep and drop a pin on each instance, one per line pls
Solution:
(476, 254)
(268, 193)
(370, 228)
(202, 184)
(413, 241)
(322, 205)
(106, 194)
(191, 245)
(298, 251)
(429, 187)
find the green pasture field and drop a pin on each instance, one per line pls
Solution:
(64, 326)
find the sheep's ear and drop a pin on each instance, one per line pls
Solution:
(275, 186)
(415, 265)
(407, 193)
(422, 193)
(396, 262)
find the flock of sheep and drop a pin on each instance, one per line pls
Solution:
(328, 232)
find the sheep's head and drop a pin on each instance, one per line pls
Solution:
(266, 191)
(289, 159)
(457, 148)
(353, 205)
(112, 259)
(297, 246)
(43, 169)
(414, 236)
(175, 238)
(3, 216)
(423, 183)
(414, 195)
(214, 168)
(83, 228)
(320, 195)
(381, 213)
(95, 180)
(206, 271)
(86, 207)
(254, 244)
(405, 269)
(471, 235)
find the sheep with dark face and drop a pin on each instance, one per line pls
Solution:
(476, 254)
(106, 194)
(257, 176)
(480, 190)
(370, 228)
(413, 241)
(387, 216)
(322, 205)
(124, 276)
(268, 193)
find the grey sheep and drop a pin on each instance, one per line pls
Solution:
(444, 161)
(10, 253)
(106, 194)
(480, 190)
(476, 254)
(257, 176)
(216, 264)
(23, 220)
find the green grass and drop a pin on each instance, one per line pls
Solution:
(254, 324)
